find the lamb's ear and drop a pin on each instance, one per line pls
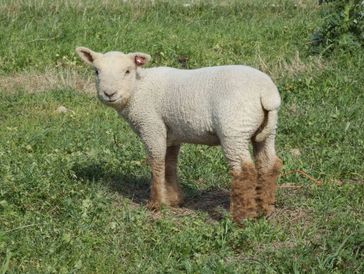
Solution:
(139, 58)
(87, 55)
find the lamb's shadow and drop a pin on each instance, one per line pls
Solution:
(214, 201)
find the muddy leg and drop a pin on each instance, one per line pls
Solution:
(243, 192)
(268, 167)
(244, 178)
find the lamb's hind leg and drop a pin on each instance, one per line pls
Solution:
(268, 167)
(174, 194)
(244, 177)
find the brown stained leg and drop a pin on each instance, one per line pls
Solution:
(156, 146)
(174, 193)
(266, 187)
(268, 167)
(243, 193)
(158, 195)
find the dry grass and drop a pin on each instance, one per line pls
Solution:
(292, 67)
(59, 78)
(51, 79)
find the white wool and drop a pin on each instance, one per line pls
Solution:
(226, 105)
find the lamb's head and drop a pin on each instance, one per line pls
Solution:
(116, 73)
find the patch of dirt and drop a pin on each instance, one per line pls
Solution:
(287, 216)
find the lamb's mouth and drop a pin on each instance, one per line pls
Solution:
(118, 103)
(113, 100)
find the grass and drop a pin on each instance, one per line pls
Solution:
(73, 185)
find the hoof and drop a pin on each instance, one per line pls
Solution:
(175, 200)
(153, 205)
(267, 211)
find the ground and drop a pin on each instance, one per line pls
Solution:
(74, 179)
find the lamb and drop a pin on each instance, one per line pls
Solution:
(229, 106)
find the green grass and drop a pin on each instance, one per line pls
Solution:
(73, 185)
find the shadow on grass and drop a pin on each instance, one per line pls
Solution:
(214, 201)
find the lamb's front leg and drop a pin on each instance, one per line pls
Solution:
(164, 187)
(158, 193)
(174, 192)
(156, 148)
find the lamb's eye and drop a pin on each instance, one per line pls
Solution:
(127, 72)
(96, 72)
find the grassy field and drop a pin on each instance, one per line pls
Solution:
(73, 185)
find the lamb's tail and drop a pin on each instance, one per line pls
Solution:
(270, 123)
(270, 104)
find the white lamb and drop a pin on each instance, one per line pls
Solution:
(225, 105)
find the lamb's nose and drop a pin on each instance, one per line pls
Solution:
(109, 94)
